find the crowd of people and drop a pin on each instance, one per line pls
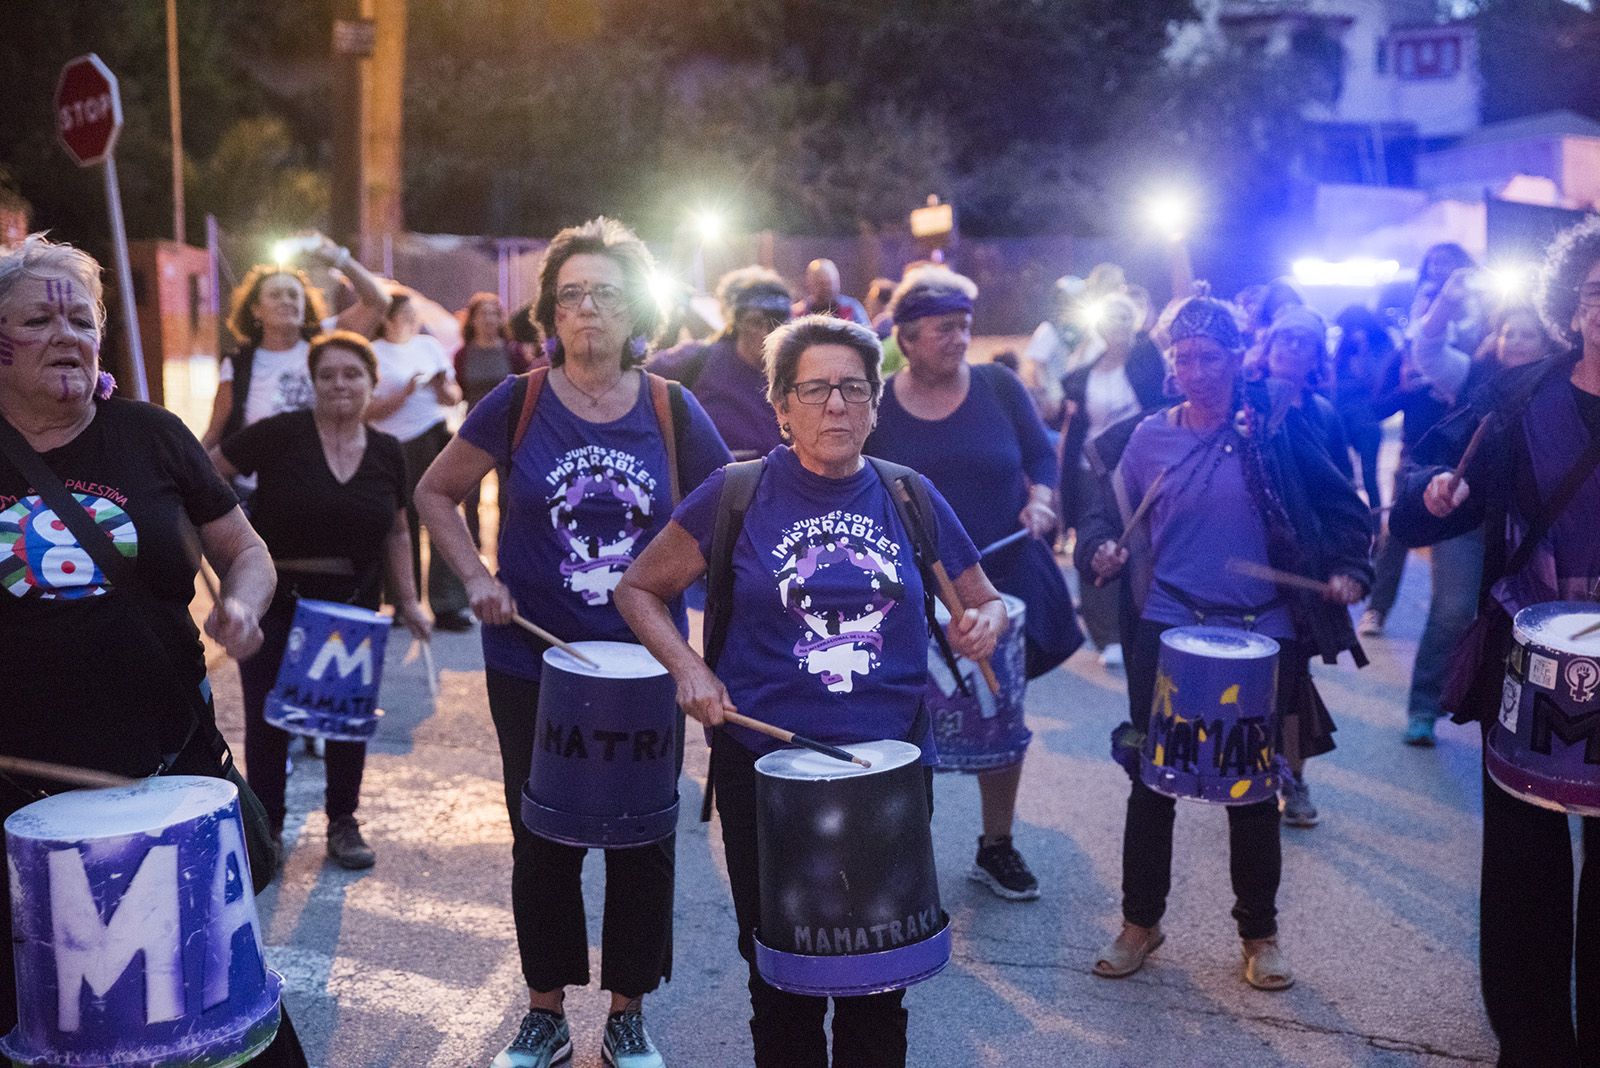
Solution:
(816, 464)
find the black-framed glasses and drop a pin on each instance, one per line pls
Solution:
(1588, 293)
(606, 297)
(817, 391)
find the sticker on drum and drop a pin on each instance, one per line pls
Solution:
(975, 729)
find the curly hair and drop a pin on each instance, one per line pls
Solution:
(38, 255)
(242, 321)
(1571, 256)
(601, 236)
(469, 333)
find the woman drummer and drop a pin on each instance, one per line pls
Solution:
(1244, 477)
(830, 644)
(587, 486)
(1005, 480)
(1545, 423)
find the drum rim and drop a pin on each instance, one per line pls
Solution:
(1549, 611)
(353, 612)
(572, 666)
(1263, 645)
(912, 752)
(25, 823)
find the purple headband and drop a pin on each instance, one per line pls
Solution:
(920, 305)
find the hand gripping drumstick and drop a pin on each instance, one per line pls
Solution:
(1466, 456)
(1586, 631)
(792, 738)
(40, 769)
(544, 635)
(1145, 504)
(1272, 574)
(946, 589)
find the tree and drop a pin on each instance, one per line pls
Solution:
(1537, 55)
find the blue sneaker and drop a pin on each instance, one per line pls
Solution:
(626, 1044)
(542, 1041)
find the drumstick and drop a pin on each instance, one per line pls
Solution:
(947, 590)
(544, 635)
(1272, 574)
(1003, 542)
(427, 666)
(791, 737)
(1139, 513)
(43, 769)
(1586, 631)
(1466, 457)
(197, 559)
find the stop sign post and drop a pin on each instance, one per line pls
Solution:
(88, 119)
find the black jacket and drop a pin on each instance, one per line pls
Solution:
(1330, 527)
(1147, 374)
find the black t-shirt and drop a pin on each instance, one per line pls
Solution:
(94, 675)
(302, 512)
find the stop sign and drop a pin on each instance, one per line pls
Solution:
(88, 110)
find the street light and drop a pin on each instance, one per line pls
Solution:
(1170, 214)
(709, 225)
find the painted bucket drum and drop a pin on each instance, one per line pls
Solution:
(605, 755)
(328, 682)
(849, 895)
(137, 940)
(977, 730)
(1545, 748)
(1213, 725)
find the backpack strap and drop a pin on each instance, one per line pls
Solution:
(916, 518)
(524, 400)
(667, 399)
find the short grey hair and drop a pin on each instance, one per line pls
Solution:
(37, 255)
(933, 280)
(786, 344)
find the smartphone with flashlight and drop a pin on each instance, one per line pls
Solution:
(291, 247)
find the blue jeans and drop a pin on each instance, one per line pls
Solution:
(1457, 566)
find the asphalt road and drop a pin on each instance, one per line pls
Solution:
(414, 962)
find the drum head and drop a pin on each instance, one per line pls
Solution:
(617, 660)
(147, 807)
(1553, 624)
(805, 764)
(347, 611)
(1220, 643)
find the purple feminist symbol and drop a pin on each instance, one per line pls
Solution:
(599, 514)
(842, 636)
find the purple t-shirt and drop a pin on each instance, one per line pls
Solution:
(1203, 516)
(733, 393)
(582, 500)
(827, 636)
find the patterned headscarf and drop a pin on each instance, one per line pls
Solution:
(1206, 317)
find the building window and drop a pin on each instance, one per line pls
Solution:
(1381, 59)
(1418, 58)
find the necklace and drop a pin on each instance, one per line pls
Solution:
(595, 398)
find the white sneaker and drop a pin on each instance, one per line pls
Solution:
(1371, 625)
(1111, 656)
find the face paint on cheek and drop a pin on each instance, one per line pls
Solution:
(66, 387)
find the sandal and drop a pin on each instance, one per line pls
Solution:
(1126, 953)
(1265, 966)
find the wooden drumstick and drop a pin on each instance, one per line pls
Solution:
(740, 720)
(43, 769)
(1140, 512)
(946, 591)
(1586, 631)
(427, 665)
(1272, 574)
(545, 636)
(1466, 457)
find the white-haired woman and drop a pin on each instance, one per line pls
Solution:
(940, 406)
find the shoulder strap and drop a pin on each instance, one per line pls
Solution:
(524, 400)
(1574, 479)
(667, 398)
(738, 490)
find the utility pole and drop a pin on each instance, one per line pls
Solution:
(368, 82)
(175, 108)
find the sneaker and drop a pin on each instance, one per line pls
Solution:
(627, 1044)
(542, 1041)
(458, 620)
(1371, 625)
(316, 747)
(346, 846)
(1001, 868)
(1294, 801)
(1419, 731)
(1111, 655)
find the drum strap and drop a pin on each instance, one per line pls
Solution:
(1246, 614)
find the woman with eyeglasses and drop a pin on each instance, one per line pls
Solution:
(1537, 468)
(589, 483)
(827, 605)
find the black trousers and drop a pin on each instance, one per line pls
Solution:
(1528, 940)
(444, 590)
(547, 879)
(1255, 854)
(266, 748)
(868, 1032)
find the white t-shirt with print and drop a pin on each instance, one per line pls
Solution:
(280, 381)
(398, 364)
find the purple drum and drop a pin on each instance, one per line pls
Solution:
(978, 730)
(332, 667)
(1545, 748)
(849, 895)
(605, 754)
(137, 940)
(1213, 725)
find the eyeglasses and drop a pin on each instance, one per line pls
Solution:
(607, 298)
(816, 391)
(1589, 293)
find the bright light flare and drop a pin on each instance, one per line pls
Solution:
(664, 288)
(1171, 214)
(1094, 313)
(1361, 272)
(1510, 282)
(709, 224)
